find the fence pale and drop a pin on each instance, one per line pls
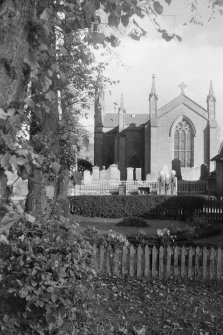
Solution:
(139, 261)
(204, 265)
(124, 260)
(161, 265)
(116, 261)
(212, 263)
(147, 271)
(183, 255)
(219, 260)
(154, 262)
(131, 261)
(190, 263)
(168, 262)
(197, 265)
(176, 269)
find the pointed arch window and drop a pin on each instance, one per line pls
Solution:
(183, 143)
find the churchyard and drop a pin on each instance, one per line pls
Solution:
(159, 263)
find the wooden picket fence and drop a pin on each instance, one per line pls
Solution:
(163, 263)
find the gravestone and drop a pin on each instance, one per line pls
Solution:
(114, 173)
(129, 173)
(138, 174)
(95, 173)
(103, 174)
(87, 177)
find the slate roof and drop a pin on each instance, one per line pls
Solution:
(111, 119)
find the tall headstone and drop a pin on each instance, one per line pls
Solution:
(129, 173)
(114, 173)
(95, 173)
(87, 177)
(103, 174)
(138, 174)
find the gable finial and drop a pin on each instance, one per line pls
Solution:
(182, 86)
(211, 90)
(153, 88)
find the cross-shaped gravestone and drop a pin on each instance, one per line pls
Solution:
(182, 86)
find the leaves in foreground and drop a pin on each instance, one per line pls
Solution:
(131, 306)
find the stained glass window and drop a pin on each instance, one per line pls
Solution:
(183, 144)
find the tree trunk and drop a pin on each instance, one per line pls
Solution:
(14, 71)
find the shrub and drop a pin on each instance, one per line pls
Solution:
(42, 289)
(147, 206)
(133, 221)
(94, 237)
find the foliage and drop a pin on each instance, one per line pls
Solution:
(113, 238)
(133, 221)
(83, 165)
(147, 206)
(128, 305)
(42, 276)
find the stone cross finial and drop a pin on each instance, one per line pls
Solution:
(182, 86)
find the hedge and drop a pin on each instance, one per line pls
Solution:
(147, 206)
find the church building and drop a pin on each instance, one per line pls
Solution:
(181, 134)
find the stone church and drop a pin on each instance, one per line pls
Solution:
(181, 134)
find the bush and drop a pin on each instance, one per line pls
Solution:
(42, 289)
(94, 237)
(133, 221)
(147, 206)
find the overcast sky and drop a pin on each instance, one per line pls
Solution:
(196, 60)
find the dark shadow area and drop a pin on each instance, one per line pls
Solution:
(176, 165)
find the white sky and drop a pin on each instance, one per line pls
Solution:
(196, 60)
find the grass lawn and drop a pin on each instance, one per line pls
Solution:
(103, 225)
(155, 308)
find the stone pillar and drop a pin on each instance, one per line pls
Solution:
(129, 173)
(95, 174)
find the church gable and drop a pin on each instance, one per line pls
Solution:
(185, 101)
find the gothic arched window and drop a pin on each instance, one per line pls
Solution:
(183, 144)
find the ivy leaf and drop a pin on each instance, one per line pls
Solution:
(158, 7)
(168, 2)
(113, 20)
(125, 20)
(23, 292)
(5, 114)
(55, 167)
